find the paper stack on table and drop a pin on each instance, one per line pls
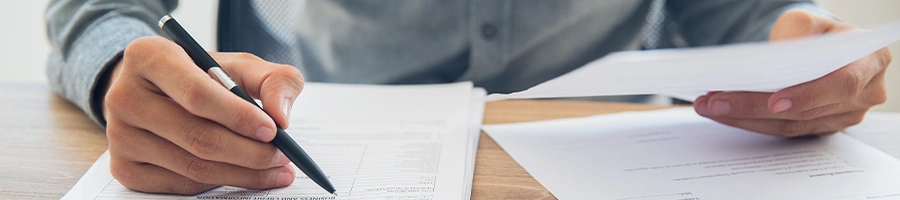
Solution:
(676, 154)
(689, 73)
(385, 142)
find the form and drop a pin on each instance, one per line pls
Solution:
(690, 72)
(676, 154)
(373, 142)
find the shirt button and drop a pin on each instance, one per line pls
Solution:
(488, 30)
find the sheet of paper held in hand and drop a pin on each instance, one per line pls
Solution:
(383, 142)
(676, 154)
(689, 73)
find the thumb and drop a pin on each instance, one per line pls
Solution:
(275, 84)
(278, 93)
(797, 23)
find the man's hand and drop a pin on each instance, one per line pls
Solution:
(820, 107)
(173, 129)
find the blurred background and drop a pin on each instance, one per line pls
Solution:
(24, 43)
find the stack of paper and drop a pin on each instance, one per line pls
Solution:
(676, 154)
(689, 73)
(385, 142)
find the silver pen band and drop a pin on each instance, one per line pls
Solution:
(223, 77)
(163, 20)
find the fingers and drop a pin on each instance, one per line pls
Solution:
(792, 128)
(734, 104)
(797, 23)
(860, 82)
(839, 86)
(276, 85)
(203, 138)
(170, 71)
(753, 105)
(825, 105)
(160, 152)
(134, 175)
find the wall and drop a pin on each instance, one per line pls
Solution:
(25, 48)
(24, 45)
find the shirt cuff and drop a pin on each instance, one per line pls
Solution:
(79, 72)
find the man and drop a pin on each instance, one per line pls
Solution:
(172, 129)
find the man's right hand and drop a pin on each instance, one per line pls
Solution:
(173, 129)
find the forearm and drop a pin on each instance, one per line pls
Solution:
(87, 39)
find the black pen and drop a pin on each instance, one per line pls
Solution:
(282, 140)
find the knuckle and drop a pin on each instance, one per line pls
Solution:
(116, 134)
(243, 119)
(264, 158)
(855, 119)
(129, 174)
(887, 55)
(799, 16)
(194, 95)
(200, 170)
(878, 97)
(290, 71)
(247, 56)
(121, 170)
(117, 100)
(853, 84)
(204, 142)
(292, 74)
(262, 179)
(139, 49)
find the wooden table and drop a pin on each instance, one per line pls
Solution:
(48, 144)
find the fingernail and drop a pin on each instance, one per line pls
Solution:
(286, 108)
(281, 159)
(782, 105)
(703, 110)
(720, 107)
(264, 133)
(284, 179)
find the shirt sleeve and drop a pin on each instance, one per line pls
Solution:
(88, 36)
(715, 22)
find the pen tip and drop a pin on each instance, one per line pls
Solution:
(334, 193)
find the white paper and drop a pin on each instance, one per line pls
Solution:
(761, 67)
(675, 154)
(881, 130)
(382, 142)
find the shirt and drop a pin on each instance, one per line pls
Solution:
(501, 45)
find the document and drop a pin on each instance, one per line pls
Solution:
(676, 154)
(688, 73)
(881, 130)
(373, 142)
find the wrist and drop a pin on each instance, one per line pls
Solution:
(109, 77)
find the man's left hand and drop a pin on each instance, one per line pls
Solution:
(820, 107)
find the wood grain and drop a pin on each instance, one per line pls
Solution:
(48, 144)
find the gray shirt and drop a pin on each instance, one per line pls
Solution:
(501, 45)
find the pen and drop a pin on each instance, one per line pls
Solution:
(282, 140)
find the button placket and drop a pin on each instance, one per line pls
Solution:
(488, 22)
